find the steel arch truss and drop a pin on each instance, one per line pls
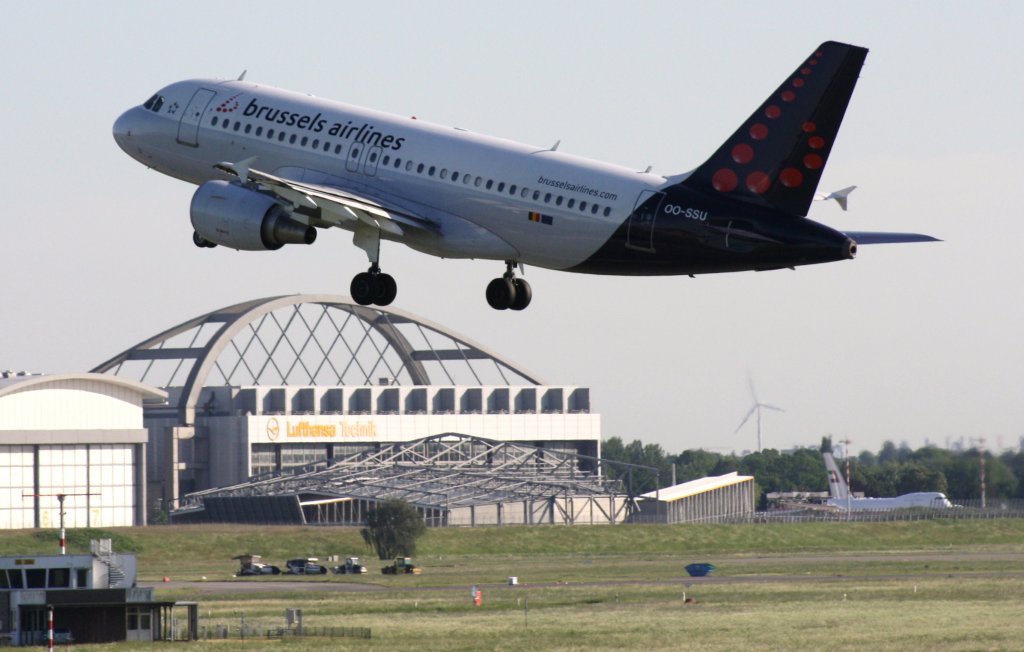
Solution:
(308, 340)
(446, 472)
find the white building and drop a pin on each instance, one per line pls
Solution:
(76, 435)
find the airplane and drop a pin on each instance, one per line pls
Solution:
(274, 166)
(840, 497)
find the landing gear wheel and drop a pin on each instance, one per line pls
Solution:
(386, 290)
(363, 288)
(501, 293)
(523, 294)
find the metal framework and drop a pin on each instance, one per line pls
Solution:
(446, 472)
(307, 340)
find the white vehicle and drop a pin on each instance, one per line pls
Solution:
(839, 495)
(273, 166)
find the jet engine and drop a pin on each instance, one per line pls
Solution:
(228, 214)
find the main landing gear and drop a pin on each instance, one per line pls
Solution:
(374, 287)
(509, 292)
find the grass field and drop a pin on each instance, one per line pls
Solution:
(925, 585)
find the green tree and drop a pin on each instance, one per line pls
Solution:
(392, 528)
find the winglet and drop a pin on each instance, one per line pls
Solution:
(839, 195)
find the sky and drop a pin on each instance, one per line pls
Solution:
(915, 343)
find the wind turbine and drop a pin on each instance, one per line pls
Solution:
(756, 407)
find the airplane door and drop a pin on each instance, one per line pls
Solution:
(640, 230)
(188, 128)
(372, 160)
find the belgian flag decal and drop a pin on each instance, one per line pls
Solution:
(543, 219)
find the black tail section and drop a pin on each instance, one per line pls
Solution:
(776, 158)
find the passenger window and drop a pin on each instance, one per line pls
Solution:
(431, 170)
(386, 160)
(327, 146)
(292, 139)
(455, 177)
(512, 189)
(213, 122)
(583, 205)
(355, 152)
(280, 136)
(259, 131)
(419, 168)
(536, 195)
(248, 128)
(227, 123)
(316, 142)
(490, 182)
(238, 125)
(501, 187)
(547, 198)
(337, 148)
(408, 166)
(373, 157)
(444, 173)
(570, 203)
(607, 211)
(270, 134)
(305, 139)
(524, 192)
(558, 200)
(478, 182)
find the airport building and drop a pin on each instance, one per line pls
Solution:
(269, 388)
(75, 441)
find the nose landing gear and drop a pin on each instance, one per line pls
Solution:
(509, 292)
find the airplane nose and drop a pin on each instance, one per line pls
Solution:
(126, 127)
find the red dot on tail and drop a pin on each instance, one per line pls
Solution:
(791, 177)
(788, 96)
(772, 111)
(805, 71)
(798, 82)
(758, 131)
(758, 182)
(813, 162)
(742, 153)
(724, 180)
(809, 127)
(816, 142)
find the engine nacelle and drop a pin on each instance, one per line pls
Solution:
(236, 217)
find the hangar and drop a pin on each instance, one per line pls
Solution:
(269, 387)
(73, 443)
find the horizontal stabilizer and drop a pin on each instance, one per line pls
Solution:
(876, 237)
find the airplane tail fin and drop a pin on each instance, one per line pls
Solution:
(837, 488)
(777, 155)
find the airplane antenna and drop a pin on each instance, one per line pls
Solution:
(554, 148)
(242, 76)
(756, 407)
(649, 168)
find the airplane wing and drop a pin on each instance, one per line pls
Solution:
(874, 237)
(335, 206)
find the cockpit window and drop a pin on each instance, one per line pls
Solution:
(154, 103)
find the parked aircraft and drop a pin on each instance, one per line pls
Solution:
(839, 495)
(273, 166)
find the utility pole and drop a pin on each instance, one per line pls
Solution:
(60, 499)
(981, 461)
(849, 488)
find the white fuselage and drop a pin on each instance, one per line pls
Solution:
(483, 197)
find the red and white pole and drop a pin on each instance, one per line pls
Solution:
(49, 627)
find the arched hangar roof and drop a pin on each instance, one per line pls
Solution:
(309, 340)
